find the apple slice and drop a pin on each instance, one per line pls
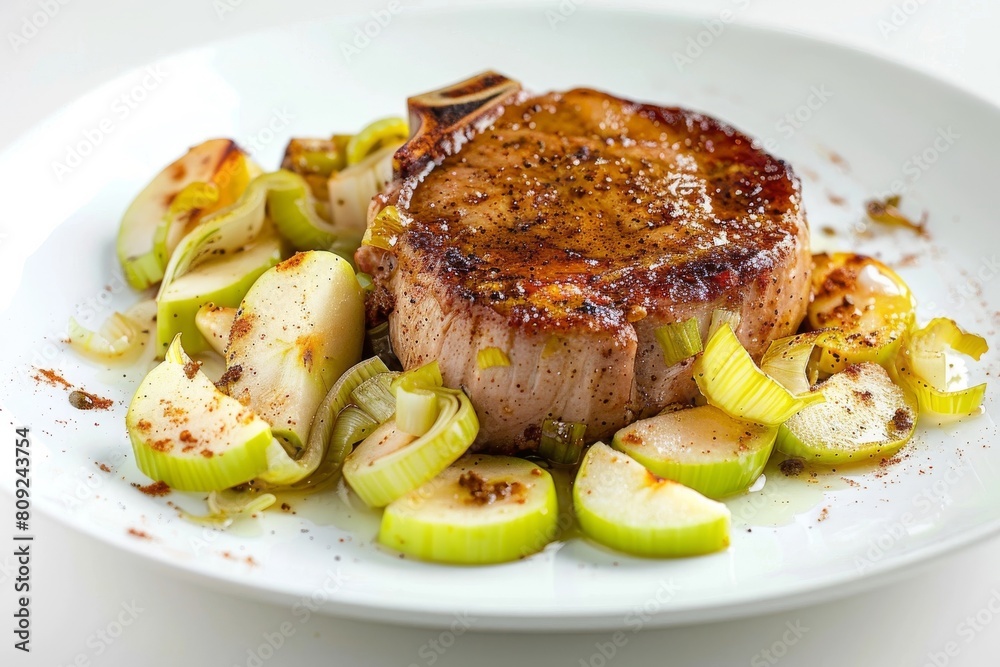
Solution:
(624, 506)
(481, 509)
(214, 323)
(701, 447)
(187, 433)
(224, 282)
(299, 328)
(202, 198)
(142, 265)
(865, 417)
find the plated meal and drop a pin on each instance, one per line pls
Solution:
(456, 313)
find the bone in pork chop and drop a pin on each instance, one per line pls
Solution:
(565, 228)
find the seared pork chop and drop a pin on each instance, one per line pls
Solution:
(565, 228)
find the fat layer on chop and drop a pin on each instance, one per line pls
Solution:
(565, 228)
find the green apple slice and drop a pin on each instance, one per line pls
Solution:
(187, 433)
(624, 506)
(701, 447)
(214, 323)
(481, 509)
(865, 417)
(143, 267)
(224, 282)
(203, 198)
(389, 463)
(299, 328)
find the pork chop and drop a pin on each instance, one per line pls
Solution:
(565, 228)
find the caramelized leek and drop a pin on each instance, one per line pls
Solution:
(374, 397)
(730, 380)
(679, 340)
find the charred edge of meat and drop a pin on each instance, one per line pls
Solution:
(442, 119)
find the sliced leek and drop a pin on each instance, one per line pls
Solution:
(722, 316)
(390, 463)
(119, 336)
(491, 357)
(375, 397)
(923, 366)
(292, 208)
(866, 304)
(374, 136)
(481, 509)
(188, 434)
(679, 340)
(321, 157)
(416, 410)
(227, 505)
(787, 361)
(562, 442)
(701, 447)
(866, 416)
(624, 506)
(137, 249)
(384, 229)
(730, 380)
(325, 444)
(352, 189)
(426, 376)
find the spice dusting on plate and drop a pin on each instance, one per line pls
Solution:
(135, 532)
(791, 467)
(156, 489)
(103, 466)
(52, 378)
(84, 400)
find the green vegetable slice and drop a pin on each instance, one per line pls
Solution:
(923, 366)
(390, 463)
(491, 357)
(866, 416)
(188, 434)
(481, 509)
(374, 136)
(730, 380)
(624, 506)
(562, 442)
(700, 447)
(679, 340)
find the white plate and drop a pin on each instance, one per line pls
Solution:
(795, 541)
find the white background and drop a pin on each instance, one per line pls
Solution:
(83, 587)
